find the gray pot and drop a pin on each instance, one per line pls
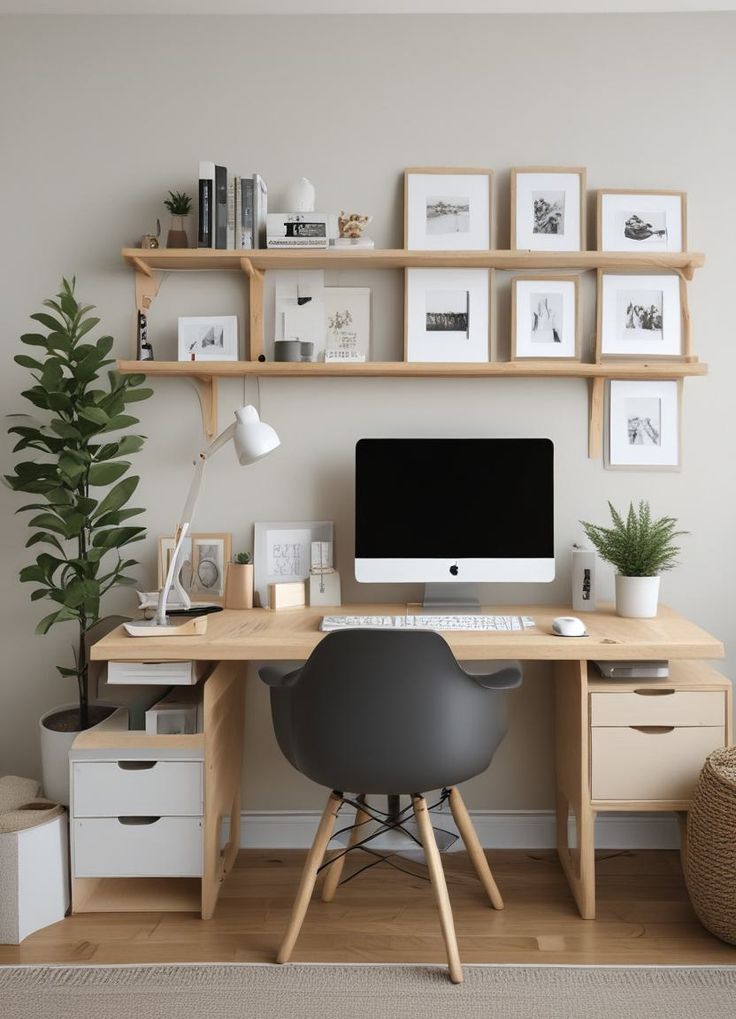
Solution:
(55, 747)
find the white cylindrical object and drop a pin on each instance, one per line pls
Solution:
(301, 196)
(583, 579)
(637, 597)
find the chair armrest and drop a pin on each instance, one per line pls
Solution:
(278, 675)
(507, 678)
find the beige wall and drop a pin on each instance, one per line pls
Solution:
(101, 116)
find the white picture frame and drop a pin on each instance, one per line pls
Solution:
(640, 315)
(347, 324)
(448, 209)
(204, 564)
(545, 318)
(631, 220)
(643, 424)
(548, 209)
(208, 338)
(447, 315)
(283, 552)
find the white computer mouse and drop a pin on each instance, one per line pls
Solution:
(569, 626)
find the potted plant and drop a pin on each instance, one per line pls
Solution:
(239, 582)
(72, 458)
(180, 206)
(640, 549)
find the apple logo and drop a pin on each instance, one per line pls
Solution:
(454, 569)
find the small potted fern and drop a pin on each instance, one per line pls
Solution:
(180, 206)
(640, 549)
(239, 582)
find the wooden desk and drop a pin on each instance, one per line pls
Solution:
(235, 637)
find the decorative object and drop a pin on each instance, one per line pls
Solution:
(301, 196)
(350, 226)
(630, 220)
(300, 229)
(144, 350)
(545, 317)
(710, 845)
(239, 583)
(643, 424)
(447, 209)
(283, 552)
(178, 713)
(348, 318)
(287, 595)
(208, 338)
(293, 350)
(299, 315)
(74, 452)
(640, 549)
(583, 579)
(324, 580)
(639, 316)
(447, 313)
(548, 209)
(151, 241)
(180, 207)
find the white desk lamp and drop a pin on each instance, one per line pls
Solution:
(253, 440)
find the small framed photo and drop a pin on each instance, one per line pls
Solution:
(545, 317)
(208, 338)
(447, 315)
(640, 315)
(641, 220)
(348, 323)
(283, 552)
(205, 559)
(643, 424)
(548, 209)
(447, 209)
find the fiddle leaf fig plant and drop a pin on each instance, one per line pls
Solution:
(73, 466)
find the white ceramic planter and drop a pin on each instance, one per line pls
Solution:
(637, 597)
(55, 747)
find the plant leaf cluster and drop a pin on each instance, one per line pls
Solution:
(637, 545)
(178, 203)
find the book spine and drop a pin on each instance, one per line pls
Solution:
(220, 209)
(298, 242)
(260, 211)
(230, 238)
(247, 212)
(238, 202)
(205, 237)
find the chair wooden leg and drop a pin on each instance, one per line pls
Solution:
(474, 848)
(439, 886)
(334, 871)
(309, 876)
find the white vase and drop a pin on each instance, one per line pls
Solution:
(301, 196)
(637, 597)
(55, 747)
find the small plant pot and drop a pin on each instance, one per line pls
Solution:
(55, 746)
(239, 586)
(178, 236)
(637, 597)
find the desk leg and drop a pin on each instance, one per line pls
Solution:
(573, 785)
(224, 709)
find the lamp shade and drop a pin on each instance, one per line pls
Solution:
(253, 438)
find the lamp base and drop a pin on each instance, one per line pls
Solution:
(195, 627)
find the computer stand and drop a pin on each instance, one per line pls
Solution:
(450, 598)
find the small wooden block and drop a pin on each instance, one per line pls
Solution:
(288, 595)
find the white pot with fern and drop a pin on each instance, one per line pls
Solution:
(641, 550)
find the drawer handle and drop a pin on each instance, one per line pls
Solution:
(138, 820)
(136, 765)
(653, 730)
(654, 693)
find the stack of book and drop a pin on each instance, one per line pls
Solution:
(300, 229)
(232, 210)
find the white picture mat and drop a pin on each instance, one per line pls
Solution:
(358, 301)
(670, 345)
(526, 185)
(621, 452)
(525, 346)
(424, 345)
(190, 328)
(614, 207)
(283, 552)
(421, 186)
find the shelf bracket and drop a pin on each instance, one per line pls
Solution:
(147, 284)
(256, 279)
(206, 387)
(595, 420)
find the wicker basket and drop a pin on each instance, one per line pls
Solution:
(710, 860)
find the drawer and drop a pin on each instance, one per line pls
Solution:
(136, 787)
(631, 764)
(654, 706)
(137, 847)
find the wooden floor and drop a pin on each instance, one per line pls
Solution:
(384, 916)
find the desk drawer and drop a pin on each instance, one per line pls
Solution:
(653, 764)
(136, 788)
(658, 706)
(137, 847)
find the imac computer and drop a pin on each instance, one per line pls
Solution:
(454, 511)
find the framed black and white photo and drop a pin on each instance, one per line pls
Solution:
(639, 315)
(447, 209)
(643, 424)
(283, 552)
(347, 324)
(545, 317)
(548, 209)
(208, 338)
(203, 565)
(447, 315)
(641, 220)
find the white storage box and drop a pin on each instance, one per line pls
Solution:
(154, 673)
(34, 879)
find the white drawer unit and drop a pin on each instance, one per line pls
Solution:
(137, 847)
(137, 787)
(657, 706)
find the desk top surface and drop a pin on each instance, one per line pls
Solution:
(292, 634)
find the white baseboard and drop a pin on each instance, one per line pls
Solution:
(497, 829)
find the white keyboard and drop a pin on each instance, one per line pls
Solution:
(469, 623)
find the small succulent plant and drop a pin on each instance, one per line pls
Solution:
(178, 203)
(242, 558)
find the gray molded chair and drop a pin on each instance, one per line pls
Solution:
(376, 712)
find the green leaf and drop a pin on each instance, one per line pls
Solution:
(60, 616)
(49, 321)
(65, 430)
(46, 538)
(28, 362)
(135, 380)
(63, 671)
(94, 414)
(117, 517)
(117, 497)
(106, 473)
(39, 594)
(134, 395)
(116, 537)
(34, 340)
(120, 421)
(85, 327)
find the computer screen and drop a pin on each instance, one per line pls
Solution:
(454, 510)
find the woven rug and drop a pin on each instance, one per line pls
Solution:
(365, 992)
